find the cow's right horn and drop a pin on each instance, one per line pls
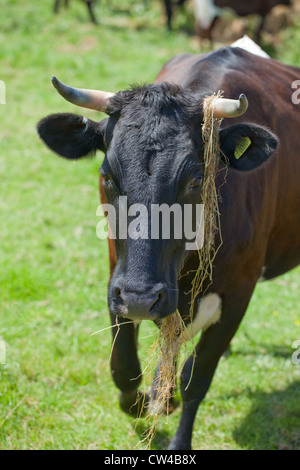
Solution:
(92, 99)
(226, 108)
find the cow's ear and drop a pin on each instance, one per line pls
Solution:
(247, 146)
(72, 136)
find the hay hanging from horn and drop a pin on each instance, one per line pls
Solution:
(210, 198)
(170, 337)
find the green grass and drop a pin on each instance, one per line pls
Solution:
(56, 391)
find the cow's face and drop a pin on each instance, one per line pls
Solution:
(153, 160)
(153, 167)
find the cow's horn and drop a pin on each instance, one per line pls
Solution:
(93, 99)
(225, 108)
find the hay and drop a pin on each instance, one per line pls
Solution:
(169, 340)
(166, 346)
(210, 199)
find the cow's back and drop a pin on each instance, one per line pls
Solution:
(274, 188)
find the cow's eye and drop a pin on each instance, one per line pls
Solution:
(106, 177)
(107, 180)
(196, 182)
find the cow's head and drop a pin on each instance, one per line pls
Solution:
(153, 156)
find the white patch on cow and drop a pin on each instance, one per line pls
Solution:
(249, 45)
(209, 312)
(205, 11)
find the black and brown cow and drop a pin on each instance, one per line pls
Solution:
(154, 154)
(207, 12)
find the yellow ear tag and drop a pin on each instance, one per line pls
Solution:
(241, 147)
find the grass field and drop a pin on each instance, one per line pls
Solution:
(56, 391)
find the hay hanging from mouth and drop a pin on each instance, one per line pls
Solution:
(170, 339)
(163, 388)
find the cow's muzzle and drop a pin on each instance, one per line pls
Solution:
(152, 303)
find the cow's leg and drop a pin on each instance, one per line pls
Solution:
(56, 6)
(199, 369)
(258, 33)
(169, 9)
(90, 5)
(125, 367)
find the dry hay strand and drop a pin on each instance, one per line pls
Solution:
(165, 349)
(169, 340)
(210, 198)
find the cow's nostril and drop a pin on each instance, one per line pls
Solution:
(119, 301)
(119, 293)
(156, 304)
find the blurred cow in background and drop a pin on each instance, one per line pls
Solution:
(208, 11)
(89, 4)
(169, 5)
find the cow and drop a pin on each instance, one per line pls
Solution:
(154, 154)
(89, 3)
(169, 8)
(207, 12)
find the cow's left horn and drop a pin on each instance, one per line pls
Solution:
(225, 108)
(93, 99)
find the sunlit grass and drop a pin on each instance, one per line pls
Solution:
(55, 388)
